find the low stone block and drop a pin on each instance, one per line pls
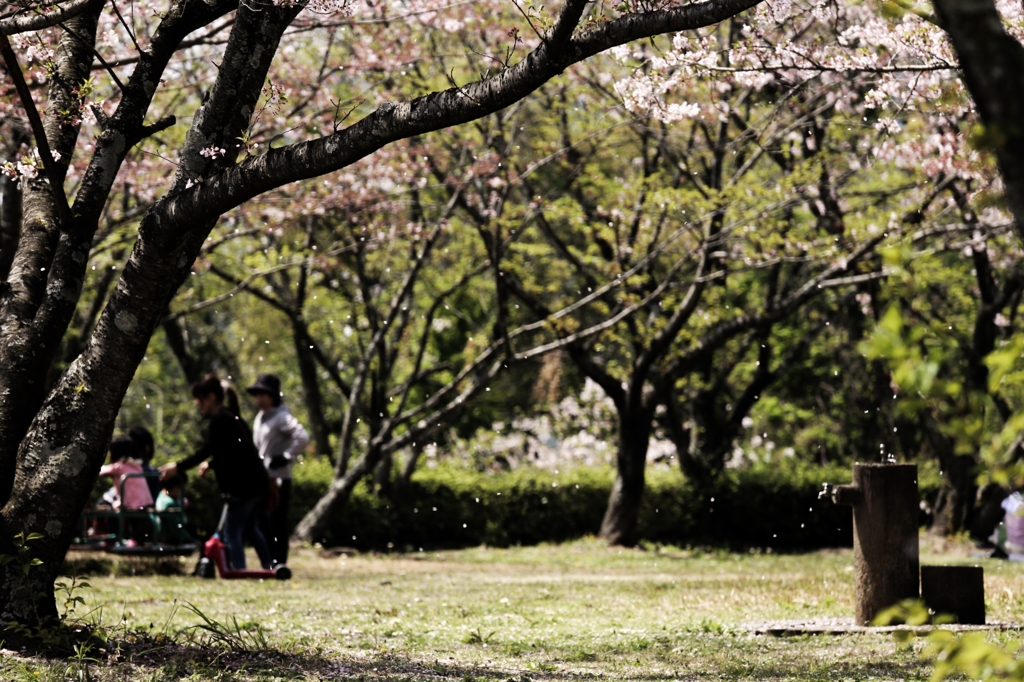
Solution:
(955, 590)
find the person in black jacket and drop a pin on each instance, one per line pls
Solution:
(241, 476)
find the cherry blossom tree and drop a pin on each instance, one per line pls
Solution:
(838, 71)
(639, 215)
(890, 69)
(102, 86)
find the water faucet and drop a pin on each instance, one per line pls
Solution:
(840, 494)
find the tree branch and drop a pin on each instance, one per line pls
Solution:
(40, 19)
(726, 330)
(391, 122)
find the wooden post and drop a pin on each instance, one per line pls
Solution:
(885, 514)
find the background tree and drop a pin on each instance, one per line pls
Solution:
(891, 70)
(620, 223)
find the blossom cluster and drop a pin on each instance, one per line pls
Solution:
(213, 152)
(578, 430)
(28, 166)
(877, 68)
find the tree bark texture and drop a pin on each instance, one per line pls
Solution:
(39, 300)
(64, 445)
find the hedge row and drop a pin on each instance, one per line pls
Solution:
(773, 506)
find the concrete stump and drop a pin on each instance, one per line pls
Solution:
(885, 513)
(958, 591)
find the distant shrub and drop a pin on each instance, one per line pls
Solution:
(764, 506)
(449, 507)
(767, 506)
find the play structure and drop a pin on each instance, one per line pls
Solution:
(133, 532)
(147, 532)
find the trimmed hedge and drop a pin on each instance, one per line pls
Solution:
(771, 506)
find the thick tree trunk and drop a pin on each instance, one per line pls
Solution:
(621, 518)
(60, 456)
(992, 64)
(26, 351)
(42, 289)
(26, 590)
(64, 443)
(10, 223)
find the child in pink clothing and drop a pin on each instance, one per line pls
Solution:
(136, 490)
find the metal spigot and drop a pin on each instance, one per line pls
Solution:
(840, 494)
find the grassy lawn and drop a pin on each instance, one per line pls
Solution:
(574, 611)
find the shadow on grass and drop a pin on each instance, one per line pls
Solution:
(156, 659)
(874, 670)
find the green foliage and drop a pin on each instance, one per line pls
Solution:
(968, 653)
(77, 667)
(920, 362)
(68, 632)
(22, 554)
(764, 506)
(973, 655)
(913, 370)
(451, 507)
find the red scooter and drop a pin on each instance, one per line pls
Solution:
(214, 555)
